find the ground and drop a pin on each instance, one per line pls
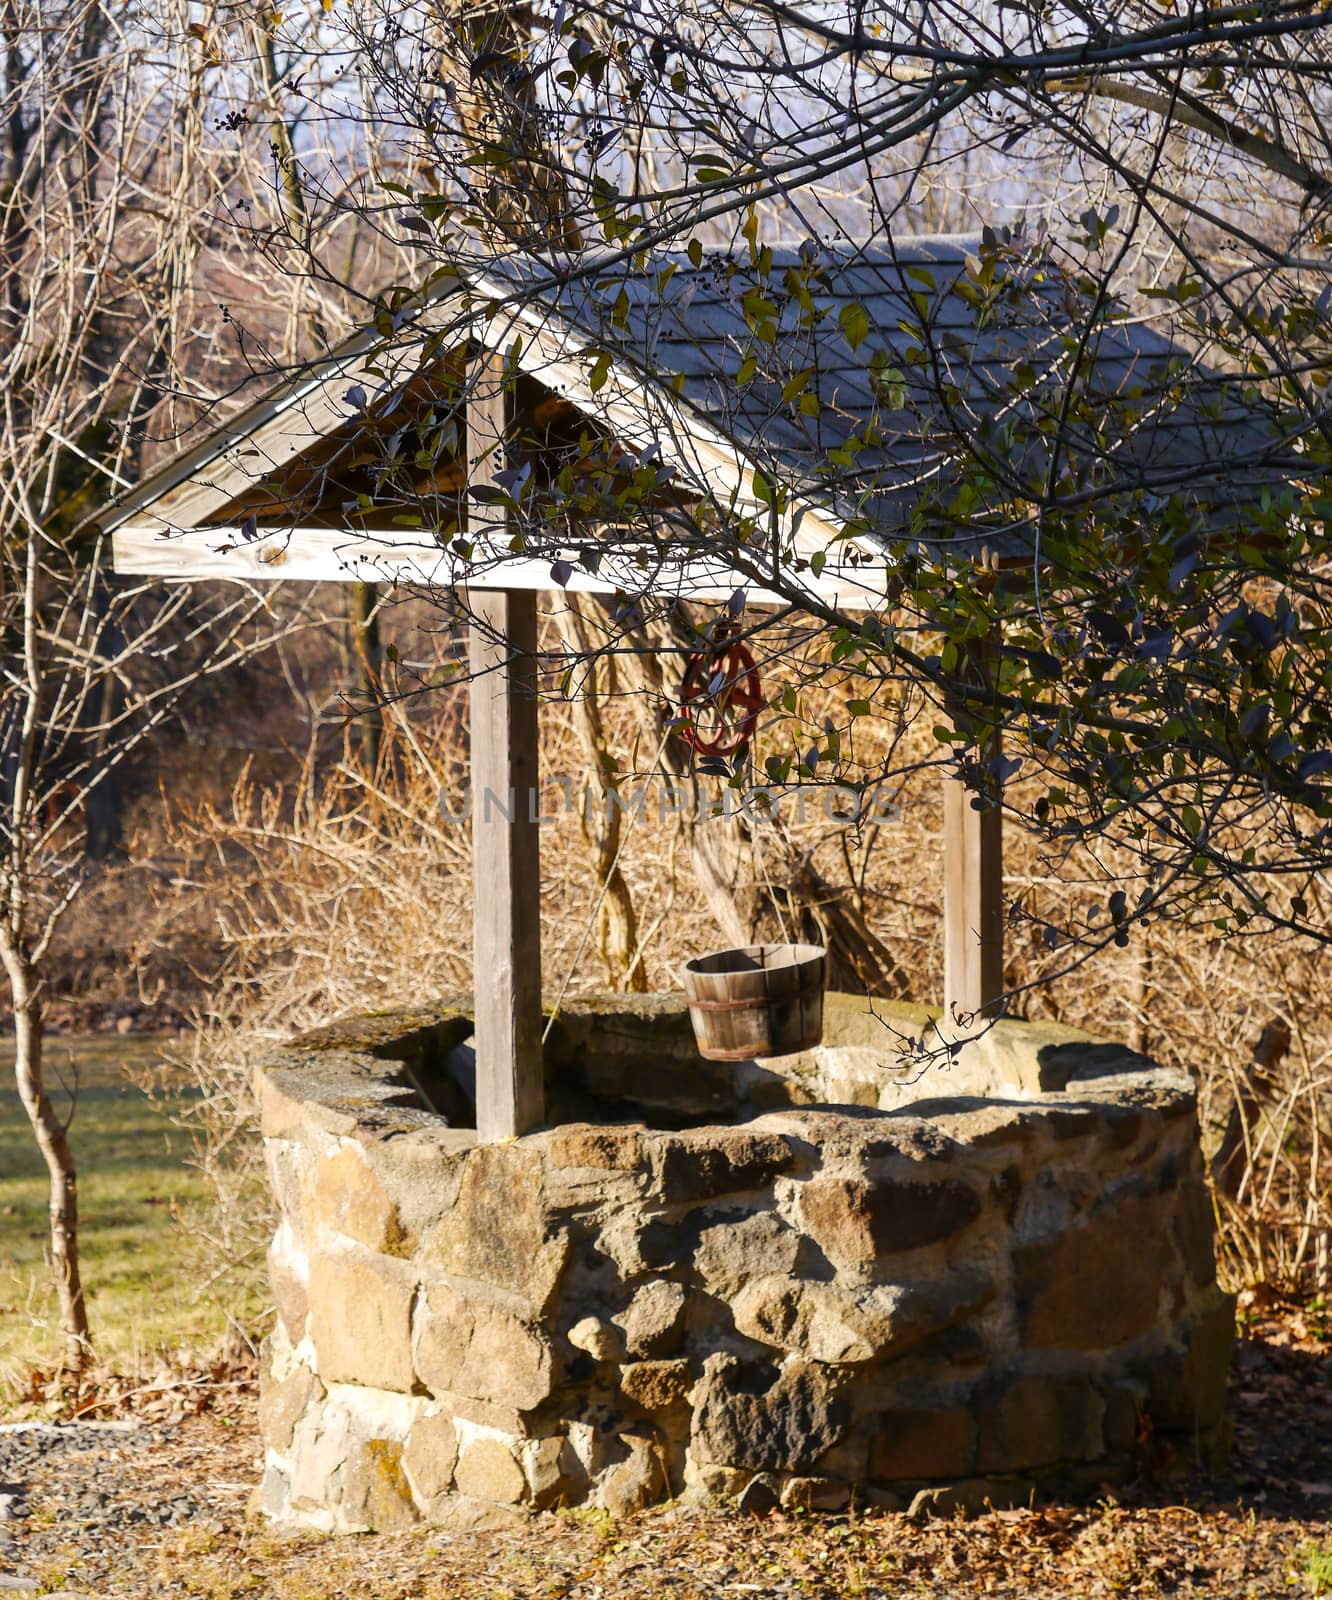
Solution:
(150, 1499)
(144, 1492)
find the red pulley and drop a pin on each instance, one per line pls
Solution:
(720, 699)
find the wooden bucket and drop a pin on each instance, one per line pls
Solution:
(760, 1000)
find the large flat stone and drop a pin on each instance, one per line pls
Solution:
(831, 1323)
(1094, 1286)
(348, 1199)
(921, 1443)
(856, 1220)
(707, 1162)
(1039, 1421)
(360, 1319)
(430, 1455)
(499, 1231)
(753, 1418)
(488, 1470)
(479, 1350)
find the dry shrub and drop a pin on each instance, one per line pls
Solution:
(348, 890)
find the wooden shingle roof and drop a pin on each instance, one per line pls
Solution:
(863, 381)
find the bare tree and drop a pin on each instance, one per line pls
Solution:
(1106, 443)
(100, 238)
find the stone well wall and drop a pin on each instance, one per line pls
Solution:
(706, 1280)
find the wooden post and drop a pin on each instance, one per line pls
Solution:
(506, 865)
(973, 884)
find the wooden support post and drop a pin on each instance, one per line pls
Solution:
(973, 885)
(506, 866)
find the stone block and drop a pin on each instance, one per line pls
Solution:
(320, 1446)
(360, 1320)
(283, 1113)
(856, 1220)
(348, 1198)
(421, 1172)
(429, 1457)
(459, 1513)
(288, 1165)
(653, 1321)
(555, 1475)
(707, 1162)
(732, 1250)
(499, 1231)
(635, 1482)
(375, 1492)
(972, 1497)
(1194, 1229)
(761, 1496)
(603, 1149)
(1122, 1425)
(707, 1484)
(936, 1442)
(1206, 1366)
(479, 1350)
(767, 1421)
(488, 1470)
(600, 1339)
(271, 1496)
(1038, 1421)
(815, 1494)
(283, 1402)
(830, 1323)
(1096, 1286)
(288, 1283)
(657, 1385)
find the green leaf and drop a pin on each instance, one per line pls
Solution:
(855, 324)
(695, 254)
(796, 384)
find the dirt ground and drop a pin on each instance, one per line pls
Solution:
(149, 1498)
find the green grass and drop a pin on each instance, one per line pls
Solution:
(139, 1268)
(1318, 1568)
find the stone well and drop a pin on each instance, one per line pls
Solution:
(823, 1278)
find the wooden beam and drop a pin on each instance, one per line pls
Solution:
(973, 883)
(506, 864)
(344, 555)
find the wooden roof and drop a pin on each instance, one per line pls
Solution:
(904, 351)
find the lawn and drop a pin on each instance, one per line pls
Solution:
(135, 1176)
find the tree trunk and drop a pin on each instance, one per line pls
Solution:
(49, 1132)
(365, 644)
(602, 817)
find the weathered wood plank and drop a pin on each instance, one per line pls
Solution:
(973, 895)
(331, 555)
(506, 863)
